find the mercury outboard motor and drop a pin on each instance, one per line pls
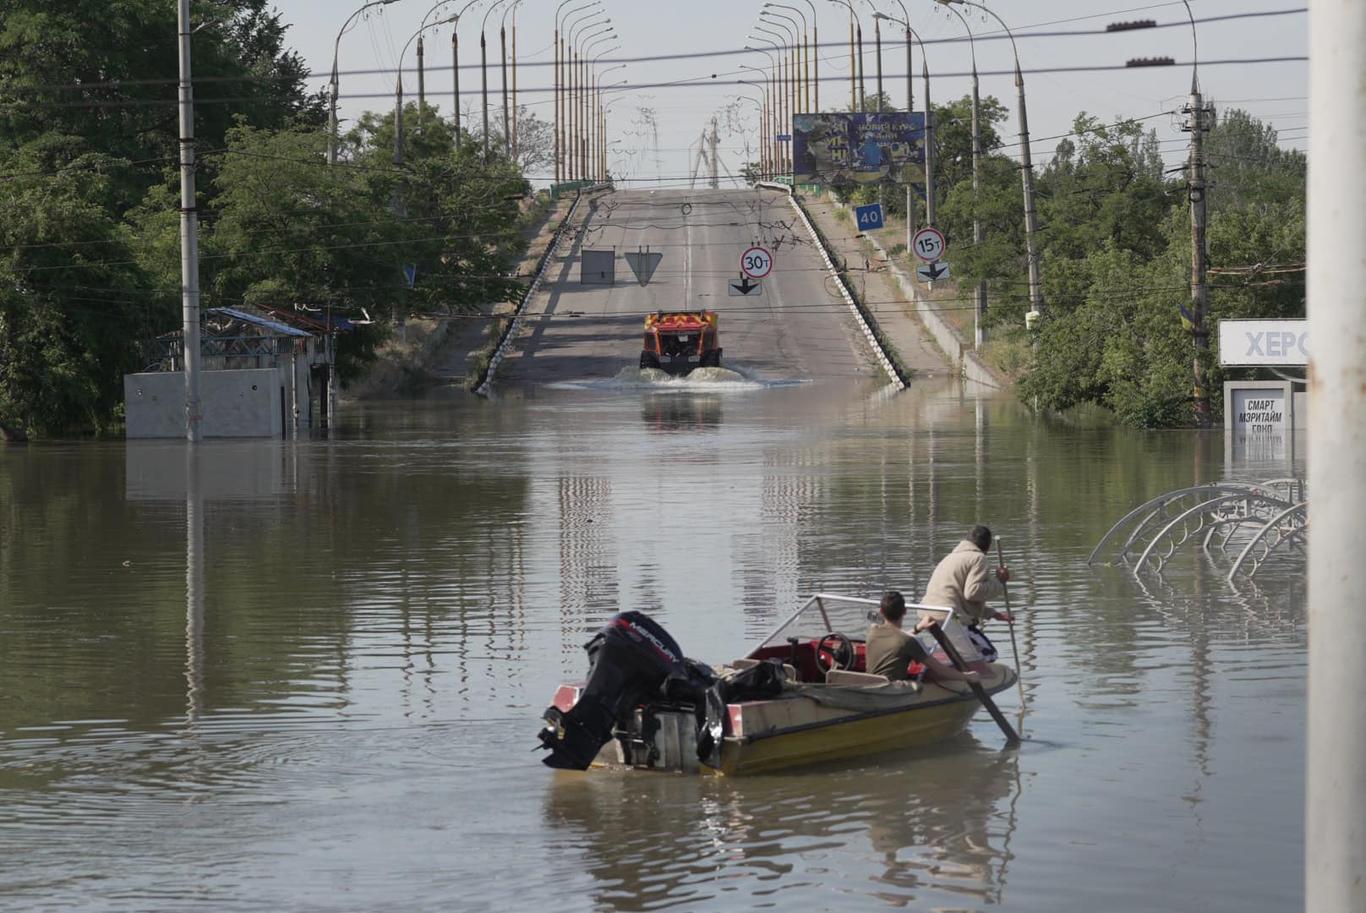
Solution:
(630, 659)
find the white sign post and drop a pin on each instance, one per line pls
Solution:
(928, 244)
(756, 263)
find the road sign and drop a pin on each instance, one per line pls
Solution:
(597, 267)
(928, 272)
(745, 288)
(784, 137)
(928, 244)
(756, 263)
(643, 264)
(410, 273)
(869, 217)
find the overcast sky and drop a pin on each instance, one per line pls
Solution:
(1274, 92)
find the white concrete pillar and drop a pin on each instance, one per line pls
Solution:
(1335, 812)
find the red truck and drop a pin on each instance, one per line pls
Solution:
(679, 341)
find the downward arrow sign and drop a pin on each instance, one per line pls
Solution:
(932, 271)
(745, 287)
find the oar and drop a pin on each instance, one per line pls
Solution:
(956, 658)
(1019, 673)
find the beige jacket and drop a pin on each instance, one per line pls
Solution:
(963, 581)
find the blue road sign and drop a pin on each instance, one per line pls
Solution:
(784, 137)
(869, 217)
(410, 273)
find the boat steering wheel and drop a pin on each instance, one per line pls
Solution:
(839, 648)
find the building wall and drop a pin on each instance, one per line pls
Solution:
(242, 403)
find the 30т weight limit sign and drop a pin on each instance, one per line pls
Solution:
(756, 263)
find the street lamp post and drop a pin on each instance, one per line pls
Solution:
(578, 119)
(484, 71)
(561, 80)
(856, 94)
(804, 69)
(590, 117)
(333, 86)
(1026, 168)
(979, 328)
(795, 66)
(455, 65)
(766, 127)
(780, 55)
(574, 96)
(764, 162)
(929, 125)
(507, 114)
(595, 104)
(398, 89)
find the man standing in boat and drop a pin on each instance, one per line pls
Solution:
(963, 581)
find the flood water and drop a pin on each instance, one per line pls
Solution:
(307, 676)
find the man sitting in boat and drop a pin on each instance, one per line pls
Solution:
(963, 581)
(891, 650)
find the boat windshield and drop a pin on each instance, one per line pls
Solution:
(849, 615)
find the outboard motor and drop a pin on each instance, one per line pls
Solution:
(630, 659)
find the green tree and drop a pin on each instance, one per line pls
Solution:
(74, 306)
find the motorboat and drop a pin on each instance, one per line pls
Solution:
(801, 696)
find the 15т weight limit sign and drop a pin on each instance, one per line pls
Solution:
(928, 244)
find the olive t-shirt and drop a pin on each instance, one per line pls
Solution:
(890, 650)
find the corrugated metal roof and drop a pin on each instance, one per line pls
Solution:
(274, 326)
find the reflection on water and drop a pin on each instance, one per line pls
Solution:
(870, 830)
(220, 667)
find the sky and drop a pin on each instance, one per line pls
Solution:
(665, 154)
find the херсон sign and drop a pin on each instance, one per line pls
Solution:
(1263, 342)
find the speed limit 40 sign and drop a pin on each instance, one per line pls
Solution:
(756, 263)
(928, 244)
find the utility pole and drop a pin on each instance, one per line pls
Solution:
(1031, 216)
(1197, 125)
(484, 79)
(979, 333)
(189, 236)
(455, 69)
(1334, 848)
(421, 83)
(514, 81)
(712, 141)
(877, 44)
(929, 143)
(507, 123)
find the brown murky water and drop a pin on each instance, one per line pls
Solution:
(306, 677)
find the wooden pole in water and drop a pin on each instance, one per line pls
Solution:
(1014, 649)
(1012, 739)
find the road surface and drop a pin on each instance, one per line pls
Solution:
(797, 329)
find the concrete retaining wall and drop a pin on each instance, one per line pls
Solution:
(246, 403)
(968, 362)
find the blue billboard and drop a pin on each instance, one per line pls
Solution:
(840, 149)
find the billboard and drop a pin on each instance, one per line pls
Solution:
(1264, 342)
(840, 149)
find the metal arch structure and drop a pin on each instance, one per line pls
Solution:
(1271, 515)
(1159, 511)
(1228, 512)
(1289, 528)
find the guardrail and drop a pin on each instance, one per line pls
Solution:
(882, 349)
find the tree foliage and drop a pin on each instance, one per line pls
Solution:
(89, 197)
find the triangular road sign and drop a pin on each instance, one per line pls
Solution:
(643, 264)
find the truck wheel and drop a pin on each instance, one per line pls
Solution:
(648, 360)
